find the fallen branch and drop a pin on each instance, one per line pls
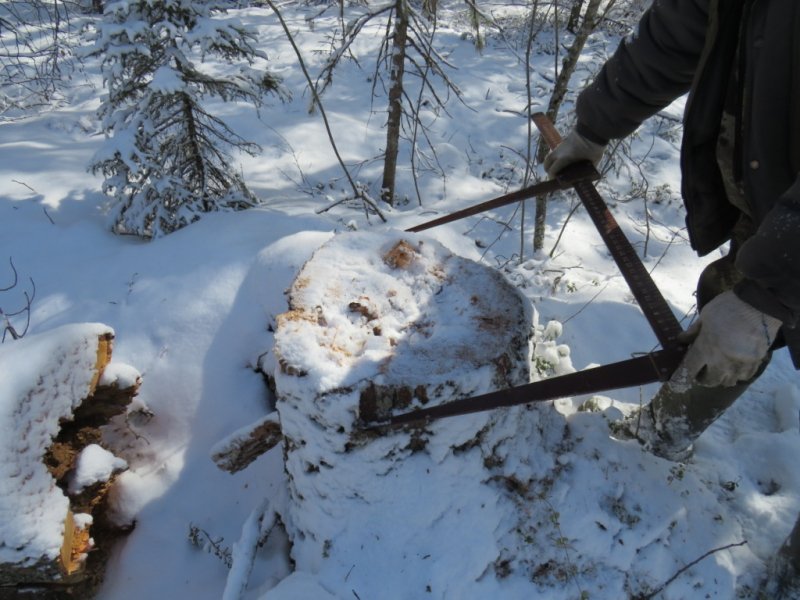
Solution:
(22, 183)
(5, 320)
(685, 568)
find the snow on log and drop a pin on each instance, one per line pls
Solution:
(383, 323)
(57, 389)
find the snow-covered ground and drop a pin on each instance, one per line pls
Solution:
(193, 312)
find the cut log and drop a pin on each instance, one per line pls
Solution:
(242, 447)
(58, 389)
(384, 323)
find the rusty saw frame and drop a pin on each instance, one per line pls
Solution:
(641, 370)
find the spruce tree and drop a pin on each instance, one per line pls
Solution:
(167, 159)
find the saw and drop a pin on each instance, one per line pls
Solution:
(565, 180)
(641, 370)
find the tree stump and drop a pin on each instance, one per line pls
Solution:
(59, 388)
(381, 324)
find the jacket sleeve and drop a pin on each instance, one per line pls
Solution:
(652, 66)
(770, 261)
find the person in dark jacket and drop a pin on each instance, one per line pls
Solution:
(739, 62)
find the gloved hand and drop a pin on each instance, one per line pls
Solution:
(573, 148)
(729, 342)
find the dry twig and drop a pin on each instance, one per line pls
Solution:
(685, 568)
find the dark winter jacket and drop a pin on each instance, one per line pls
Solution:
(697, 46)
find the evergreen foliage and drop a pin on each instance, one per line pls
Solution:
(167, 158)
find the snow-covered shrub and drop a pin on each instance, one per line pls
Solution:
(167, 158)
(549, 357)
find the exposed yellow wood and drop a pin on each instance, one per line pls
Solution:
(77, 542)
(104, 348)
(66, 544)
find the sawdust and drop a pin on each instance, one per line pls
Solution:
(401, 256)
(299, 314)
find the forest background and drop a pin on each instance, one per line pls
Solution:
(167, 167)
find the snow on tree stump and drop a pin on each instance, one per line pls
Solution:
(58, 389)
(381, 324)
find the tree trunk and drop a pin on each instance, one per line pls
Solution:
(193, 151)
(588, 25)
(574, 16)
(393, 124)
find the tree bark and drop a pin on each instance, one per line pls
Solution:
(243, 447)
(574, 15)
(395, 111)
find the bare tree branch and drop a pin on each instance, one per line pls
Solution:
(5, 317)
(358, 191)
(685, 568)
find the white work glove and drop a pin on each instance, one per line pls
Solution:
(729, 342)
(573, 148)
